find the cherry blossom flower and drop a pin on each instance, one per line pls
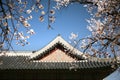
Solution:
(5, 23)
(41, 18)
(61, 3)
(26, 24)
(73, 36)
(20, 34)
(30, 17)
(43, 12)
(28, 11)
(8, 16)
(52, 19)
(41, 6)
(31, 32)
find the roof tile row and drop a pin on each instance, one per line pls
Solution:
(22, 62)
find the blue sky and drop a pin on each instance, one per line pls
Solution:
(69, 19)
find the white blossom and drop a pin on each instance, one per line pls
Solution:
(30, 17)
(5, 23)
(60, 3)
(28, 11)
(83, 44)
(21, 18)
(43, 12)
(41, 18)
(52, 19)
(41, 6)
(73, 36)
(20, 35)
(33, 7)
(26, 24)
(85, 6)
(8, 16)
(31, 32)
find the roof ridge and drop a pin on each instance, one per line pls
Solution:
(56, 40)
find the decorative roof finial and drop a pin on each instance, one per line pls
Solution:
(59, 35)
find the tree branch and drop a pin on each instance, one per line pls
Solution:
(81, 1)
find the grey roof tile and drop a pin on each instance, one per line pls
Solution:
(23, 62)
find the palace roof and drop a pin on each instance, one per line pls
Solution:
(23, 62)
(58, 54)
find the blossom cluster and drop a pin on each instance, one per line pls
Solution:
(104, 26)
(61, 3)
(73, 39)
(16, 14)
